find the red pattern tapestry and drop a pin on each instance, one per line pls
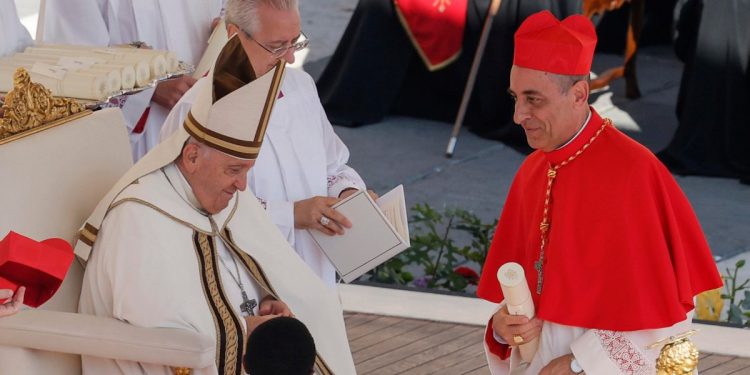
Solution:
(435, 28)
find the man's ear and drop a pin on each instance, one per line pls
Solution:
(190, 157)
(232, 29)
(580, 91)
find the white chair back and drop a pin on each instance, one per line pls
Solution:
(50, 181)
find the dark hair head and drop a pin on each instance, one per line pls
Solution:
(280, 346)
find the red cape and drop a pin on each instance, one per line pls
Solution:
(625, 250)
(435, 27)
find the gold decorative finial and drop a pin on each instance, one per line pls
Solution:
(679, 356)
(182, 371)
(30, 105)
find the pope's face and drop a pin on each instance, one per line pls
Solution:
(546, 114)
(216, 177)
(277, 29)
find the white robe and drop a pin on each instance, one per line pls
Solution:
(149, 279)
(597, 351)
(13, 35)
(301, 157)
(150, 268)
(180, 26)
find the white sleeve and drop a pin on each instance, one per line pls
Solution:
(282, 215)
(133, 109)
(616, 352)
(177, 115)
(14, 36)
(75, 22)
(340, 175)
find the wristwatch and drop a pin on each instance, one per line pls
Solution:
(575, 367)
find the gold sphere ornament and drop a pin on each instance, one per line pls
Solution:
(679, 356)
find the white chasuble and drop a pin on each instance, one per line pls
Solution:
(302, 157)
(157, 262)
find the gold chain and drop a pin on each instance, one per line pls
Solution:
(545, 224)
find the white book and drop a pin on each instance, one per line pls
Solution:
(380, 231)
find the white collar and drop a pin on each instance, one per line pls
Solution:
(580, 130)
(181, 185)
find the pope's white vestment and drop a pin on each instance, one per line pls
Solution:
(301, 157)
(155, 263)
(13, 35)
(146, 263)
(180, 26)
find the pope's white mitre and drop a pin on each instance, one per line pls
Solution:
(230, 114)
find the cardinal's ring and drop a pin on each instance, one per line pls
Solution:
(324, 221)
(518, 339)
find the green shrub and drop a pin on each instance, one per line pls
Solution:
(448, 249)
(739, 310)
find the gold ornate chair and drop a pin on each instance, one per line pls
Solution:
(51, 177)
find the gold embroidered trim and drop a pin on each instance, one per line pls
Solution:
(430, 66)
(248, 262)
(260, 277)
(321, 367)
(229, 334)
(273, 93)
(159, 210)
(224, 144)
(88, 234)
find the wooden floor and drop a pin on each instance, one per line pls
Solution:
(388, 345)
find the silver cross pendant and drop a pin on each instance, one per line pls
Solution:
(539, 266)
(247, 304)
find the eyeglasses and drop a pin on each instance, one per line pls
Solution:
(279, 52)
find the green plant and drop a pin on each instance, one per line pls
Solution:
(443, 245)
(738, 313)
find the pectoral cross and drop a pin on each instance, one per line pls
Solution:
(539, 274)
(247, 304)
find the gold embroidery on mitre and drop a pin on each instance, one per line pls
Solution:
(30, 105)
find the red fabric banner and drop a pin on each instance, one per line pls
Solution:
(435, 27)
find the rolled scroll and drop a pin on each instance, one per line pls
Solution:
(138, 74)
(73, 84)
(512, 280)
(114, 77)
(126, 76)
(172, 63)
(156, 65)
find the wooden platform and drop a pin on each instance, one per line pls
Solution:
(389, 345)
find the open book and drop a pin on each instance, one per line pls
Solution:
(379, 231)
